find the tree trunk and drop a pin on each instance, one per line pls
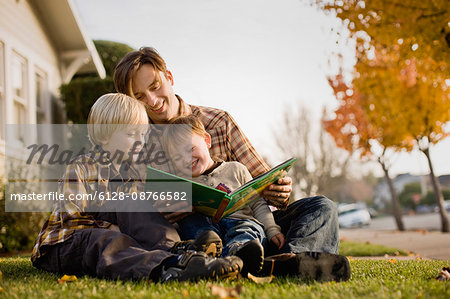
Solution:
(395, 203)
(437, 194)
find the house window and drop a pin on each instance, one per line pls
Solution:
(19, 84)
(2, 92)
(41, 97)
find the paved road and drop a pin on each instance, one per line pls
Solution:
(422, 235)
(431, 221)
(433, 245)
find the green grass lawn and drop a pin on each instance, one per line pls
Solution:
(370, 279)
(349, 248)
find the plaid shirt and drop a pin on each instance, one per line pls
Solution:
(85, 175)
(228, 142)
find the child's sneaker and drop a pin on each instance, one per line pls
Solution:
(194, 265)
(207, 241)
(308, 265)
(252, 254)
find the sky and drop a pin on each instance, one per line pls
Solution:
(252, 58)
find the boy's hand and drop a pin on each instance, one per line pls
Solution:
(278, 240)
(278, 194)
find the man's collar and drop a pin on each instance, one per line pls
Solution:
(183, 109)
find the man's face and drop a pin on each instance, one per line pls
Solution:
(155, 90)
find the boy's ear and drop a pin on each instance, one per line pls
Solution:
(208, 140)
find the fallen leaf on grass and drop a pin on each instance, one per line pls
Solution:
(350, 258)
(2, 290)
(1, 275)
(224, 292)
(444, 275)
(392, 261)
(260, 280)
(67, 278)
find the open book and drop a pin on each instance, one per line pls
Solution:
(217, 203)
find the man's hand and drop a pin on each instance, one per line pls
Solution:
(278, 194)
(278, 240)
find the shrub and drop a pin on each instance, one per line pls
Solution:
(81, 93)
(18, 230)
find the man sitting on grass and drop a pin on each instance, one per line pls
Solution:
(310, 225)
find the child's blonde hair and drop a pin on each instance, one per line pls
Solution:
(112, 112)
(180, 130)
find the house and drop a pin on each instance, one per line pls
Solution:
(42, 45)
(383, 195)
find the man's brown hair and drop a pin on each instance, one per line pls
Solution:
(130, 63)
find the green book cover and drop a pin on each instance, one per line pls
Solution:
(217, 203)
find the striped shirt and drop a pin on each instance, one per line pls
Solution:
(85, 175)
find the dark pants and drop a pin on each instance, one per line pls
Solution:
(309, 224)
(133, 253)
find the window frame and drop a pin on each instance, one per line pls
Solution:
(41, 100)
(20, 103)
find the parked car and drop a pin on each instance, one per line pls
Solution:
(446, 206)
(422, 209)
(353, 216)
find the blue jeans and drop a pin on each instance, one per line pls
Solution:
(232, 231)
(309, 224)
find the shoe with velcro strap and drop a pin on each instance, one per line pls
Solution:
(192, 266)
(207, 241)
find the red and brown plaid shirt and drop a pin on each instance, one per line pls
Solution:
(85, 175)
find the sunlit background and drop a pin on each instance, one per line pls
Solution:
(254, 59)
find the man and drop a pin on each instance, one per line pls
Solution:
(310, 225)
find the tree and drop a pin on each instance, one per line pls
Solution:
(81, 93)
(321, 167)
(429, 198)
(111, 53)
(403, 52)
(408, 193)
(355, 131)
(426, 125)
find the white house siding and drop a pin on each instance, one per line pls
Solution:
(22, 33)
